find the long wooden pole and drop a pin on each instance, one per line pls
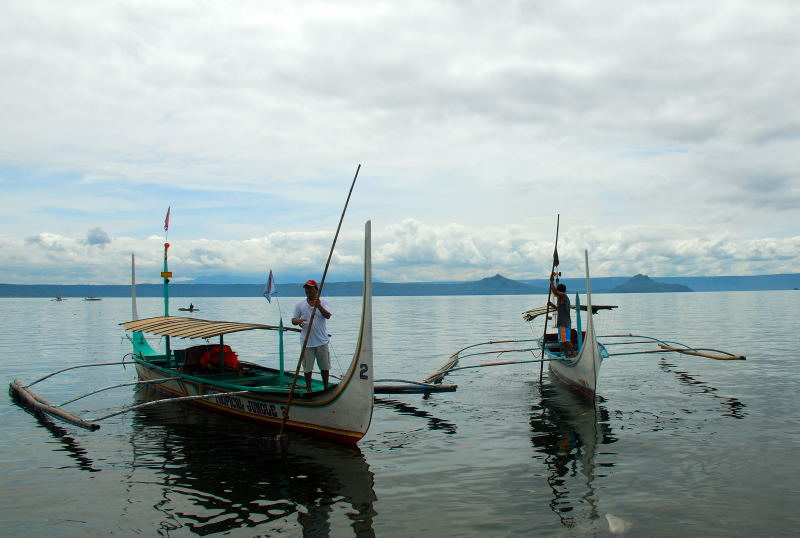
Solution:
(314, 310)
(549, 292)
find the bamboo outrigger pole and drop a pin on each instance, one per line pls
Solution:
(549, 291)
(314, 310)
(40, 405)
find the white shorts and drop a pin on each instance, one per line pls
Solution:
(322, 356)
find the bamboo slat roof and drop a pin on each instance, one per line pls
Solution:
(182, 327)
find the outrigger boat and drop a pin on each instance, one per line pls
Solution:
(213, 377)
(579, 372)
(582, 371)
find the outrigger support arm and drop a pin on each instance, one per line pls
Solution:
(41, 405)
(452, 362)
(699, 353)
(667, 346)
(148, 382)
(79, 366)
(168, 400)
(501, 363)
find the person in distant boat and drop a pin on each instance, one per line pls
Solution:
(317, 347)
(191, 307)
(563, 320)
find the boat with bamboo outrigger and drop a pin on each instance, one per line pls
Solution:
(579, 371)
(210, 375)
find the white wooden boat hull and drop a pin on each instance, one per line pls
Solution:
(580, 372)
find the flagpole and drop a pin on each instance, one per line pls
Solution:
(549, 291)
(165, 274)
(268, 292)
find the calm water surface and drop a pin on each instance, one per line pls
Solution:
(675, 445)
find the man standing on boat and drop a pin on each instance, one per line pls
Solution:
(563, 321)
(317, 346)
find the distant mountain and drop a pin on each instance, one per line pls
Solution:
(644, 284)
(496, 285)
(281, 278)
(606, 284)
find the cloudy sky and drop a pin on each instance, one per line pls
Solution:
(666, 135)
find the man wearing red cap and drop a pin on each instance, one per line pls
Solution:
(317, 347)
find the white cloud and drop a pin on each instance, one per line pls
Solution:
(645, 125)
(409, 250)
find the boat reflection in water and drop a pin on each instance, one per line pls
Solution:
(434, 423)
(568, 430)
(69, 444)
(732, 406)
(214, 474)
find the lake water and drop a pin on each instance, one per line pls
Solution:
(676, 445)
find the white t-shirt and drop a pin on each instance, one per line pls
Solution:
(319, 329)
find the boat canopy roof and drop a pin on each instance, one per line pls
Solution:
(183, 327)
(534, 313)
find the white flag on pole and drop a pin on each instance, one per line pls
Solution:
(269, 291)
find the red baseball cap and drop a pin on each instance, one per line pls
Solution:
(310, 283)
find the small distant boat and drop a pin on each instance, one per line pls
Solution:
(91, 298)
(59, 298)
(191, 308)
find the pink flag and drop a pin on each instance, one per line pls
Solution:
(166, 220)
(269, 291)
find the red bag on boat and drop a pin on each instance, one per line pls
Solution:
(210, 359)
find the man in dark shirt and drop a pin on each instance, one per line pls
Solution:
(563, 321)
